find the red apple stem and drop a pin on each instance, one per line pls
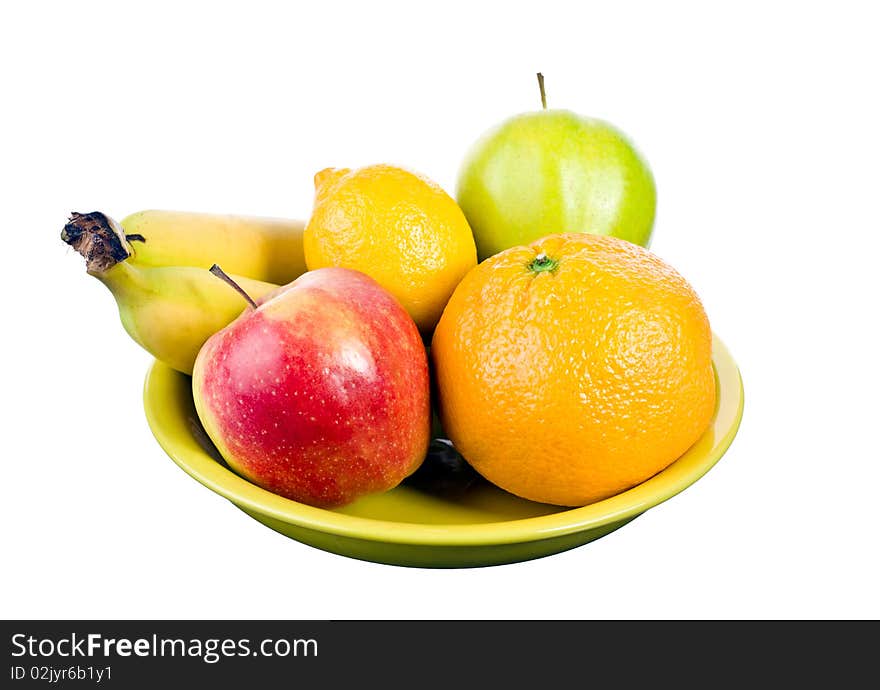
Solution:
(543, 93)
(217, 271)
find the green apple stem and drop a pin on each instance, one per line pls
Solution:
(543, 93)
(98, 238)
(217, 271)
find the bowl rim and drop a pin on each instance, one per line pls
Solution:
(625, 505)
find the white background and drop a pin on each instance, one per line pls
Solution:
(760, 123)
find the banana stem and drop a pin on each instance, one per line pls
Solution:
(217, 271)
(99, 239)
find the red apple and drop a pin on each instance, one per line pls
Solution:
(320, 393)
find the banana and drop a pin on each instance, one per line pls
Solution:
(170, 311)
(267, 249)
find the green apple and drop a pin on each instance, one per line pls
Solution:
(554, 171)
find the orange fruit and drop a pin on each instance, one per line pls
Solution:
(399, 228)
(573, 368)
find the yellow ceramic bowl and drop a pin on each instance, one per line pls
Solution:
(414, 527)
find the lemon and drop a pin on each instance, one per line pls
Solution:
(399, 228)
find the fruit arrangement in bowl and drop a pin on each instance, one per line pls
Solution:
(423, 380)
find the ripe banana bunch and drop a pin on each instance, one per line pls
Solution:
(156, 265)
